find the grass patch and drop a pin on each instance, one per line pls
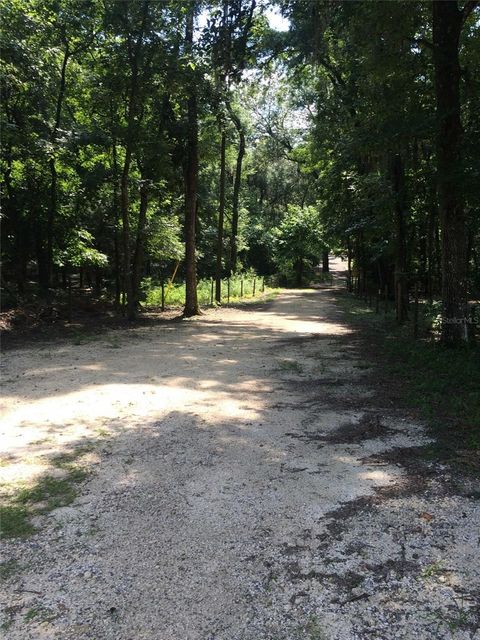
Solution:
(102, 433)
(8, 569)
(314, 630)
(290, 365)
(42, 614)
(81, 337)
(441, 383)
(67, 459)
(432, 570)
(46, 494)
(15, 521)
(55, 492)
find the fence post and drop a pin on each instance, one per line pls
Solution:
(263, 284)
(415, 313)
(377, 301)
(241, 288)
(228, 290)
(211, 292)
(254, 283)
(163, 294)
(385, 299)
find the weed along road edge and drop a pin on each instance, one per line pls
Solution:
(241, 480)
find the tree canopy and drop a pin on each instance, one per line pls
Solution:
(141, 135)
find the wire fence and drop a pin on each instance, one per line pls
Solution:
(423, 312)
(167, 293)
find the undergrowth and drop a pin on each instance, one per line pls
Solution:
(241, 287)
(442, 384)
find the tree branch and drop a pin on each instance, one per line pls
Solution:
(468, 8)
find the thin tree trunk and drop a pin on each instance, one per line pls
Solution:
(116, 240)
(349, 264)
(400, 277)
(430, 250)
(447, 26)
(41, 253)
(236, 190)
(17, 226)
(325, 262)
(52, 209)
(124, 209)
(221, 217)
(139, 254)
(191, 180)
(132, 116)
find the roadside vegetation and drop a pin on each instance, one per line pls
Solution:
(239, 287)
(441, 384)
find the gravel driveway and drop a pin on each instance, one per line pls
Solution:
(243, 485)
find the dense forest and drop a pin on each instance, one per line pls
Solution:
(146, 137)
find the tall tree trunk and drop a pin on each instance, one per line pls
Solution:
(191, 180)
(325, 262)
(124, 210)
(447, 26)
(139, 254)
(299, 272)
(132, 123)
(349, 264)
(14, 217)
(221, 217)
(116, 239)
(400, 276)
(40, 250)
(236, 190)
(52, 209)
(431, 249)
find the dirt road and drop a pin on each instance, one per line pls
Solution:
(242, 487)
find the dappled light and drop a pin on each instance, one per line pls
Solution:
(98, 385)
(240, 314)
(242, 445)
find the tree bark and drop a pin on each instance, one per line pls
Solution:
(52, 209)
(349, 264)
(14, 217)
(139, 254)
(116, 240)
(236, 190)
(191, 180)
(221, 217)
(400, 277)
(124, 210)
(447, 26)
(325, 262)
(132, 122)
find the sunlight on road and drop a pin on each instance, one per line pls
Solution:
(85, 392)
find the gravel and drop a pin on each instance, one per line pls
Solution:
(229, 497)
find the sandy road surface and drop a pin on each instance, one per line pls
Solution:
(238, 489)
